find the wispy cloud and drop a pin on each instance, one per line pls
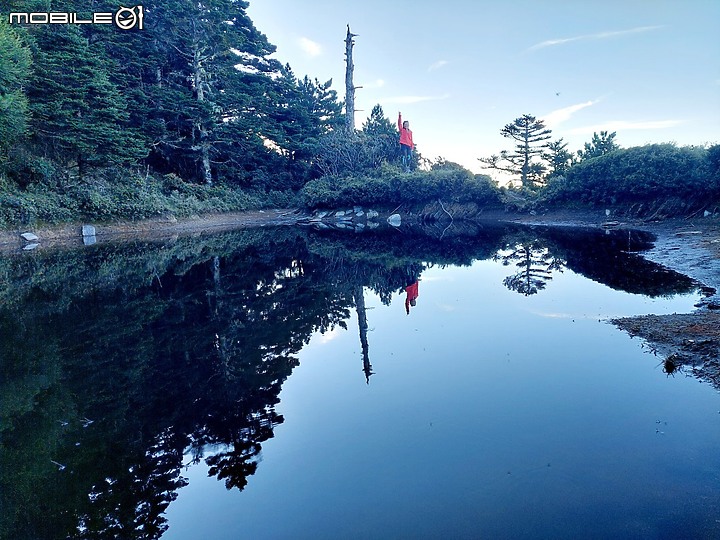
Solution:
(624, 125)
(558, 116)
(378, 83)
(403, 100)
(310, 47)
(599, 35)
(437, 65)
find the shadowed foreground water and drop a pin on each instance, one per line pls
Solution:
(273, 385)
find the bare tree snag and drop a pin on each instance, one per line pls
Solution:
(349, 86)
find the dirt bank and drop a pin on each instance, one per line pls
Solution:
(688, 343)
(161, 228)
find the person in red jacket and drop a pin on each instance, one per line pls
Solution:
(412, 294)
(406, 142)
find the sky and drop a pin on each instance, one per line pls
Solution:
(460, 70)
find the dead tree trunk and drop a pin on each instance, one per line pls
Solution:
(349, 86)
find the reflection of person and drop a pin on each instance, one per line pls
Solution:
(406, 142)
(412, 294)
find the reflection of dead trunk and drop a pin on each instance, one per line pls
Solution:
(216, 272)
(363, 326)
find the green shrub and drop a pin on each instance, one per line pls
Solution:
(644, 173)
(392, 187)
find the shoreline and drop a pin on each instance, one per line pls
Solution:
(689, 342)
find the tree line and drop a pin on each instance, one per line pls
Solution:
(195, 98)
(194, 93)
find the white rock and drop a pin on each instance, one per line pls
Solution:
(30, 237)
(395, 220)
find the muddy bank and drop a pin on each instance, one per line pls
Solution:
(157, 229)
(686, 343)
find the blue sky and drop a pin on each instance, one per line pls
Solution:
(460, 70)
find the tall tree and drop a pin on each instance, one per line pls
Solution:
(558, 157)
(15, 64)
(525, 161)
(78, 114)
(304, 111)
(380, 138)
(601, 144)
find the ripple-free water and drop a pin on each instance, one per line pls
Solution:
(490, 414)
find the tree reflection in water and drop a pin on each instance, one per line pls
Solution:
(118, 363)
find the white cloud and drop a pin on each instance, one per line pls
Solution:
(310, 47)
(558, 116)
(624, 125)
(404, 100)
(599, 35)
(437, 65)
(378, 83)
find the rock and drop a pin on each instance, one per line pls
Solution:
(88, 230)
(707, 214)
(607, 212)
(359, 213)
(30, 237)
(372, 214)
(30, 247)
(395, 220)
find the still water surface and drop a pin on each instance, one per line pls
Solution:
(491, 415)
(503, 405)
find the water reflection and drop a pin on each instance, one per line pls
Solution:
(118, 362)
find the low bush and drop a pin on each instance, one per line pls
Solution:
(122, 194)
(391, 187)
(638, 174)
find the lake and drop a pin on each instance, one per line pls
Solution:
(281, 384)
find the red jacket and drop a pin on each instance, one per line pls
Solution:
(412, 294)
(405, 134)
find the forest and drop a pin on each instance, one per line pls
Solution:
(191, 114)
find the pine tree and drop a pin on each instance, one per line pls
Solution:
(600, 145)
(78, 114)
(303, 112)
(525, 161)
(15, 64)
(558, 157)
(380, 138)
(211, 87)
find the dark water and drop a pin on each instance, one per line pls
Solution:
(271, 384)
